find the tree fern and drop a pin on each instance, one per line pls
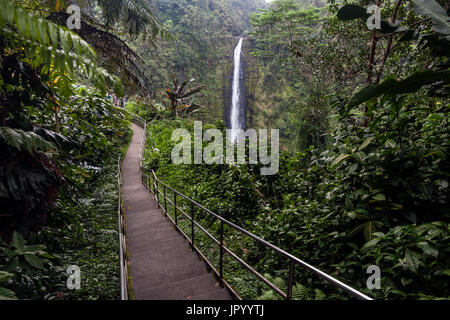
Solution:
(54, 48)
(136, 16)
(113, 50)
(37, 30)
(51, 44)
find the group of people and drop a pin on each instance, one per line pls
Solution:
(118, 102)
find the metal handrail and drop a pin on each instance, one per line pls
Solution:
(154, 188)
(123, 276)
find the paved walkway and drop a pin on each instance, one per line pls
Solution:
(162, 265)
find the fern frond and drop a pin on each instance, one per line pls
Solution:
(269, 295)
(44, 32)
(57, 49)
(280, 283)
(25, 140)
(300, 292)
(319, 295)
(387, 285)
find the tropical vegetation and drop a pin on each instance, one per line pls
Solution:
(363, 115)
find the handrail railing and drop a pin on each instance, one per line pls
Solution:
(152, 183)
(123, 277)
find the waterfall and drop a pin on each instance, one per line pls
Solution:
(237, 121)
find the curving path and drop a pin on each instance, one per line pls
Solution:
(162, 266)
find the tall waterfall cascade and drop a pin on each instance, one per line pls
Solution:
(237, 116)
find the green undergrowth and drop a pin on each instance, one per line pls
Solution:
(376, 196)
(82, 227)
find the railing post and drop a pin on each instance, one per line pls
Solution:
(165, 201)
(153, 187)
(152, 184)
(157, 193)
(290, 279)
(221, 251)
(192, 225)
(175, 207)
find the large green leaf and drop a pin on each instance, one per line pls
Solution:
(34, 260)
(18, 241)
(351, 12)
(390, 86)
(12, 264)
(430, 8)
(369, 244)
(33, 28)
(412, 260)
(387, 27)
(428, 249)
(379, 197)
(47, 44)
(340, 159)
(359, 156)
(365, 143)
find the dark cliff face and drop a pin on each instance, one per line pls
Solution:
(250, 68)
(243, 89)
(266, 87)
(258, 102)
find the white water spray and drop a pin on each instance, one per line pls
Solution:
(236, 94)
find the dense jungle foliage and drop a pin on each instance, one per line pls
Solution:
(363, 118)
(364, 176)
(58, 190)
